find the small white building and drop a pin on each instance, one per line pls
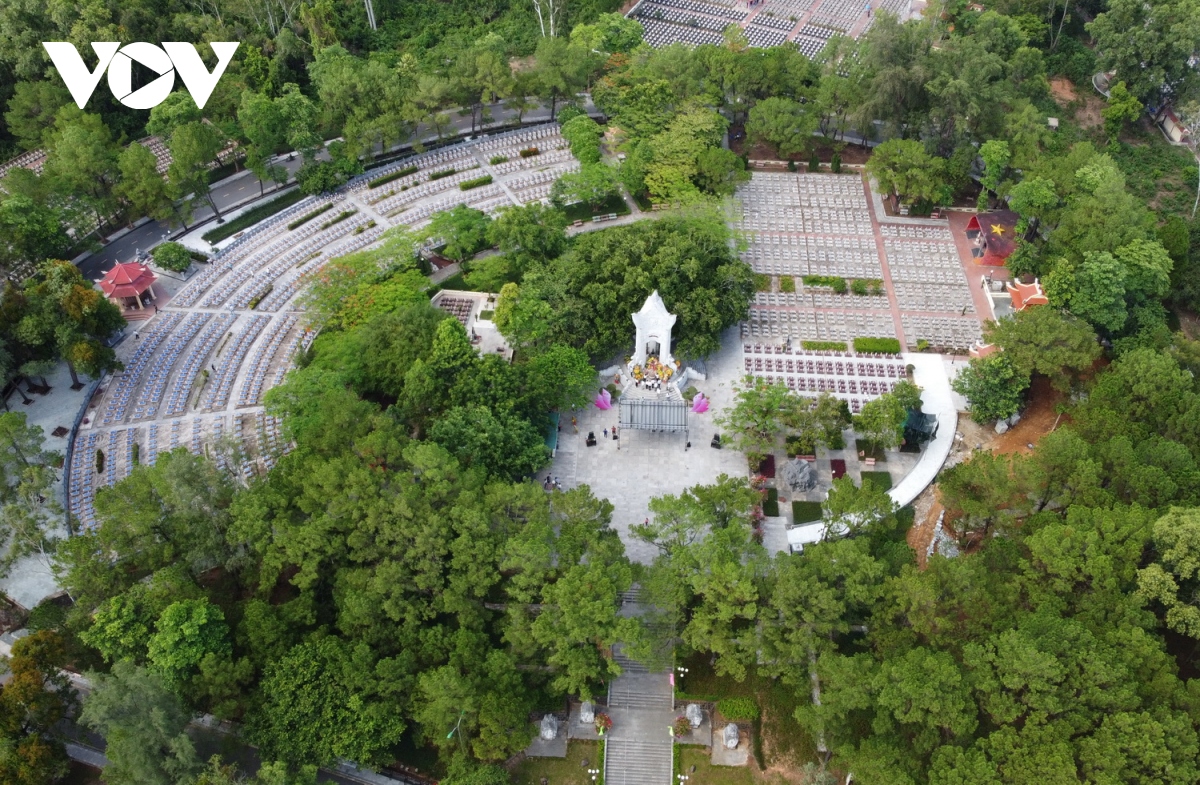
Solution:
(653, 325)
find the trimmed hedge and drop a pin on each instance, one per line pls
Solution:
(441, 174)
(738, 709)
(387, 178)
(877, 345)
(309, 216)
(497, 159)
(824, 346)
(343, 215)
(467, 185)
(529, 152)
(251, 217)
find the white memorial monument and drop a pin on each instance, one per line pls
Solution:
(653, 325)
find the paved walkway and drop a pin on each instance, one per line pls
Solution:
(640, 747)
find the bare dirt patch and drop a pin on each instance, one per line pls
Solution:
(926, 509)
(1088, 116)
(1063, 90)
(1039, 418)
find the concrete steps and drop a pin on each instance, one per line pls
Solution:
(632, 762)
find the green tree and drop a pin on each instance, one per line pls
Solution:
(593, 185)
(81, 160)
(1171, 580)
(903, 169)
(194, 147)
(556, 72)
(996, 157)
(758, 415)
(1046, 341)
(186, 633)
(881, 421)
(1122, 107)
(323, 702)
(855, 509)
(783, 123)
(32, 109)
(174, 512)
(505, 446)
(1033, 198)
(533, 229)
(141, 187)
(1147, 44)
(35, 697)
(720, 171)
(143, 724)
(172, 256)
(1099, 291)
(993, 387)
(464, 230)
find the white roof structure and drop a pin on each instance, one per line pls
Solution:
(653, 325)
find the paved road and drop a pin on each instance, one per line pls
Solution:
(244, 186)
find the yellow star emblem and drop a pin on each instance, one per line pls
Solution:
(998, 229)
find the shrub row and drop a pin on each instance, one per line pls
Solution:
(530, 152)
(738, 709)
(343, 215)
(467, 185)
(877, 345)
(387, 178)
(865, 286)
(837, 284)
(309, 216)
(251, 217)
(441, 174)
(498, 159)
(787, 284)
(824, 346)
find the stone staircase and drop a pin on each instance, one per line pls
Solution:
(639, 749)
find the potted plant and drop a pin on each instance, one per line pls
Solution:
(603, 722)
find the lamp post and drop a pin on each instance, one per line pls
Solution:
(594, 773)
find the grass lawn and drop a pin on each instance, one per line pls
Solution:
(771, 503)
(882, 480)
(869, 449)
(455, 282)
(804, 512)
(778, 738)
(560, 771)
(708, 774)
(584, 212)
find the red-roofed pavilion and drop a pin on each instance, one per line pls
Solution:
(128, 280)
